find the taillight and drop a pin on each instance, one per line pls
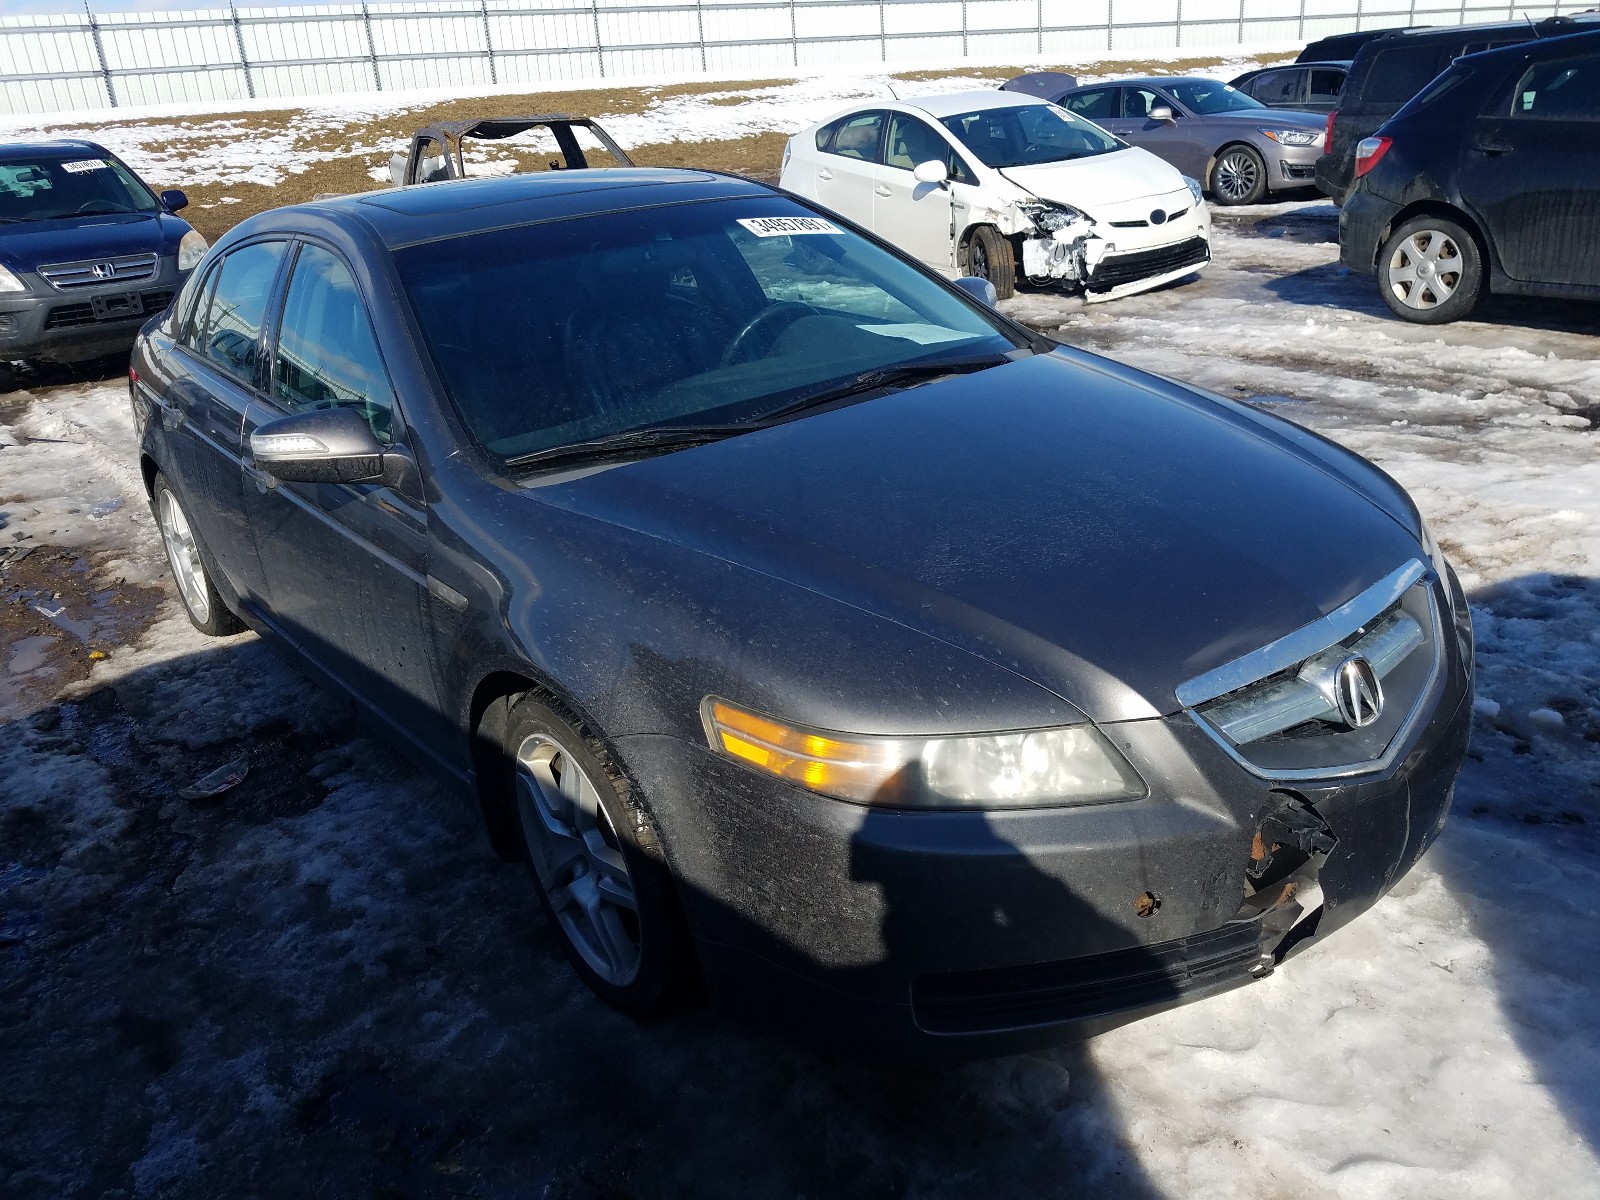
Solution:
(1369, 152)
(1327, 133)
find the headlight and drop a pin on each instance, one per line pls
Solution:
(1048, 216)
(1029, 769)
(1194, 189)
(191, 250)
(1294, 137)
(10, 283)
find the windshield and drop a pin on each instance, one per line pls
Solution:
(1207, 96)
(717, 312)
(50, 187)
(1036, 133)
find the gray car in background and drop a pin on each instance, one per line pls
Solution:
(1237, 146)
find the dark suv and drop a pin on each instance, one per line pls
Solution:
(1388, 71)
(88, 253)
(1487, 181)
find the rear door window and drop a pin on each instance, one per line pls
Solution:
(1277, 87)
(1101, 103)
(1326, 84)
(226, 331)
(1400, 72)
(327, 352)
(1565, 90)
(858, 136)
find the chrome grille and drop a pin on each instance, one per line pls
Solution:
(1276, 710)
(130, 268)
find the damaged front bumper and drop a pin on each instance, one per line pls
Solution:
(969, 934)
(1106, 260)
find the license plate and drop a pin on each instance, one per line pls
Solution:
(110, 308)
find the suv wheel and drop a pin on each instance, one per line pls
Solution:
(1430, 271)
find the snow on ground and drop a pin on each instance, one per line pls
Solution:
(324, 983)
(180, 146)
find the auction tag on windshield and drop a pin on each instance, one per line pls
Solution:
(783, 226)
(82, 165)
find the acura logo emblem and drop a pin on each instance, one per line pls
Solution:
(1159, 217)
(105, 270)
(1357, 692)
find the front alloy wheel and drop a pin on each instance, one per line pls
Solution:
(1239, 177)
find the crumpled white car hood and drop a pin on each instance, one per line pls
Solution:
(1099, 181)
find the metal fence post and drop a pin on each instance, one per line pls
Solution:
(963, 28)
(1038, 19)
(1111, 20)
(100, 52)
(599, 50)
(1300, 34)
(1241, 23)
(244, 59)
(700, 25)
(1179, 36)
(794, 35)
(488, 41)
(883, 38)
(372, 47)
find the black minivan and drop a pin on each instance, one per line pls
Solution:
(1489, 180)
(1388, 71)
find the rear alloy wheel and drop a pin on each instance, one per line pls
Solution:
(989, 257)
(611, 900)
(1430, 271)
(201, 601)
(1239, 176)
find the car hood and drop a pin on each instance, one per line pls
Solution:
(27, 245)
(1103, 179)
(1270, 118)
(1105, 534)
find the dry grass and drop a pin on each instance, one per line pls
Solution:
(342, 156)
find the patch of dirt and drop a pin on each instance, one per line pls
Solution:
(57, 616)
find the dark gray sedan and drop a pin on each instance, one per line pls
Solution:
(1239, 147)
(815, 634)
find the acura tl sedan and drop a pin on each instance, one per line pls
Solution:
(822, 639)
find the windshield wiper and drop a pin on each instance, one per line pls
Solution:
(885, 377)
(649, 437)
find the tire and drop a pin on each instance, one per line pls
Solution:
(8, 377)
(189, 563)
(989, 256)
(1238, 176)
(1410, 278)
(596, 863)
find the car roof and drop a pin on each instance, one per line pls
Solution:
(10, 151)
(1544, 27)
(451, 208)
(950, 104)
(1165, 81)
(1546, 47)
(1317, 62)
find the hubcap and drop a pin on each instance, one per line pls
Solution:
(1237, 175)
(183, 555)
(1425, 269)
(578, 858)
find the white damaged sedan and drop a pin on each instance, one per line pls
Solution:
(998, 184)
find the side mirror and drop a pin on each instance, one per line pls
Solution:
(980, 290)
(325, 445)
(932, 171)
(1161, 113)
(172, 200)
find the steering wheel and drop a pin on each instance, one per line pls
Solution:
(764, 322)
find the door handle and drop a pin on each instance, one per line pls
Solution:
(1491, 146)
(883, 190)
(824, 174)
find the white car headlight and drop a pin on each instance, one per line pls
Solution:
(1037, 768)
(10, 283)
(1294, 137)
(1194, 189)
(191, 250)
